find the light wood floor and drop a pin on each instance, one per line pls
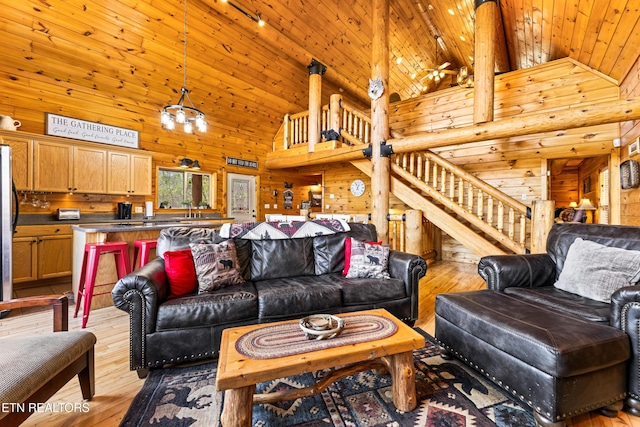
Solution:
(116, 385)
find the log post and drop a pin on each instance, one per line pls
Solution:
(316, 70)
(335, 115)
(414, 231)
(484, 60)
(380, 165)
(542, 216)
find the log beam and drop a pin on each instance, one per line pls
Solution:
(594, 114)
(380, 174)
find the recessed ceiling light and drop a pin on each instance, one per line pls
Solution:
(463, 39)
(413, 76)
(471, 58)
(451, 12)
(399, 60)
(430, 7)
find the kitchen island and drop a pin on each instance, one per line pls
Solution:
(122, 231)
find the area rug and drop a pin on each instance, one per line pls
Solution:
(449, 393)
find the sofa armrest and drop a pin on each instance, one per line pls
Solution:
(524, 271)
(140, 293)
(410, 268)
(625, 315)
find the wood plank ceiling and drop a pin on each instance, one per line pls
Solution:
(128, 54)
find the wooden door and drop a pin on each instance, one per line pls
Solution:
(54, 256)
(89, 170)
(118, 172)
(24, 262)
(22, 161)
(140, 175)
(241, 197)
(52, 167)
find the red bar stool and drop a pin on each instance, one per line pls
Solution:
(144, 248)
(92, 252)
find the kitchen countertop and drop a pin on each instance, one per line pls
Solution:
(50, 219)
(122, 226)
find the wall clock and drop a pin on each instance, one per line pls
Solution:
(357, 188)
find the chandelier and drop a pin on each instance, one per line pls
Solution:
(182, 113)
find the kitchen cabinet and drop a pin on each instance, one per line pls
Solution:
(128, 173)
(62, 167)
(22, 161)
(42, 252)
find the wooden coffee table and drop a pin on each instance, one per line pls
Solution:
(238, 374)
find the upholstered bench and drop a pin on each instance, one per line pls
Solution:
(558, 365)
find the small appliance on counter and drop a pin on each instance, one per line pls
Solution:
(65, 214)
(124, 210)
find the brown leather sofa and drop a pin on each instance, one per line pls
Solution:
(539, 341)
(302, 276)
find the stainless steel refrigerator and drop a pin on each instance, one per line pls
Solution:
(9, 219)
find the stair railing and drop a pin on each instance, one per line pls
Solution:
(495, 213)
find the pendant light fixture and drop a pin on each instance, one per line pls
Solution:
(180, 112)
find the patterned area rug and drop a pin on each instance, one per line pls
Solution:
(450, 394)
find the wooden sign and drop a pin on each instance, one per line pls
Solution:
(89, 131)
(244, 163)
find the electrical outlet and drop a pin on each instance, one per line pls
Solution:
(327, 207)
(275, 206)
(267, 206)
(524, 196)
(138, 209)
(332, 196)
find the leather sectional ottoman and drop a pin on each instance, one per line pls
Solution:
(557, 364)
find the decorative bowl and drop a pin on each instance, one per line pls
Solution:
(321, 326)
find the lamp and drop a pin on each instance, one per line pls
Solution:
(181, 112)
(188, 163)
(585, 205)
(256, 18)
(573, 205)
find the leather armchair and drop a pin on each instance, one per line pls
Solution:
(531, 277)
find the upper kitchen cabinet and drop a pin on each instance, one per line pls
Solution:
(60, 167)
(129, 173)
(22, 161)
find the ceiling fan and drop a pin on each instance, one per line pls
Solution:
(436, 74)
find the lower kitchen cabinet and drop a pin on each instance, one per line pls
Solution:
(42, 252)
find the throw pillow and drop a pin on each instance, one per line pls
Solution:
(181, 273)
(347, 254)
(368, 260)
(216, 265)
(596, 271)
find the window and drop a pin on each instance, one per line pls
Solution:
(178, 188)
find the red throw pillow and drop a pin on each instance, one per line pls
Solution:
(181, 272)
(347, 253)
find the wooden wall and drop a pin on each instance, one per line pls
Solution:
(629, 132)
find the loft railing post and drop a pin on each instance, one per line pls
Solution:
(335, 115)
(542, 216)
(287, 131)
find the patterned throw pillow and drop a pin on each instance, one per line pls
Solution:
(181, 273)
(347, 253)
(368, 260)
(216, 265)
